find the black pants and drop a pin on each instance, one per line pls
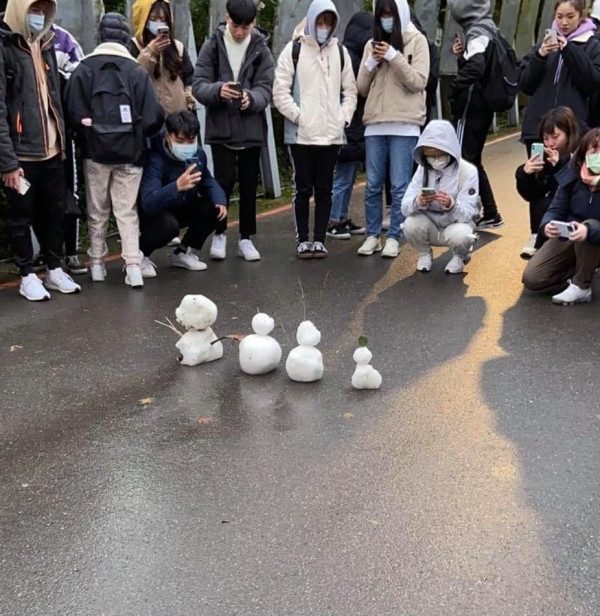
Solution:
(200, 217)
(313, 172)
(246, 163)
(477, 127)
(43, 207)
(538, 207)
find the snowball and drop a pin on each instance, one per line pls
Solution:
(308, 334)
(362, 356)
(196, 312)
(263, 324)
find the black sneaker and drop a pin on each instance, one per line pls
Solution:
(74, 266)
(319, 251)
(354, 229)
(492, 222)
(338, 231)
(304, 250)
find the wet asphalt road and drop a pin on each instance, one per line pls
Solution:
(468, 485)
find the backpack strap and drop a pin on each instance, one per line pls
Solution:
(297, 44)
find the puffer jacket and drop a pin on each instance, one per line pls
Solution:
(27, 123)
(396, 90)
(319, 98)
(227, 123)
(459, 179)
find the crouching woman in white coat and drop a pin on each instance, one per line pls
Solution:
(442, 201)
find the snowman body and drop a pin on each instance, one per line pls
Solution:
(198, 345)
(365, 376)
(259, 352)
(305, 362)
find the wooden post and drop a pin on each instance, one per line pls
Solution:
(526, 27)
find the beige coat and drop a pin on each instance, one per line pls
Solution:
(315, 112)
(395, 91)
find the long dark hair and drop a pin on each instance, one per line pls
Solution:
(379, 34)
(563, 118)
(172, 61)
(590, 139)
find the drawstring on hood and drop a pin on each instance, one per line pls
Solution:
(403, 13)
(16, 18)
(140, 11)
(474, 17)
(318, 7)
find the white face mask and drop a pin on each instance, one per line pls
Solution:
(323, 35)
(438, 163)
(35, 22)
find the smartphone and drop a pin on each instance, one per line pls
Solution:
(193, 161)
(537, 149)
(24, 186)
(551, 36)
(565, 228)
(428, 192)
(237, 102)
(162, 31)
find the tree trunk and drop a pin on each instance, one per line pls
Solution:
(81, 18)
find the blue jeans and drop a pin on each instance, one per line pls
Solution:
(397, 153)
(343, 184)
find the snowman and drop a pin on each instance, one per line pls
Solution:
(305, 362)
(365, 376)
(259, 353)
(199, 344)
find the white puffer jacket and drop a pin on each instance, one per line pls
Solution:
(320, 102)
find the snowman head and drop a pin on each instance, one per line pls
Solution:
(308, 334)
(263, 324)
(196, 312)
(362, 356)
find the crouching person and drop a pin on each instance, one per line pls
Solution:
(179, 191)
(442, 201)
(112, 107)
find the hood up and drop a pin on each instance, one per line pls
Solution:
(140, 11)
(359, 32)
(438, 134)
(470, 15)
(403, 13)
(16, 18)
(316, 8)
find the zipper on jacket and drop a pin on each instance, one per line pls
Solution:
(19, 125)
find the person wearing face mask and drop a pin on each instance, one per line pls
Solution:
(536, 182)
(32, 142)
(393, 77)
(179, 191)
(572, 260)
(563, 70)
(165, 58)
(317, 96)
(112, 107)
(441, 204)
(234, 80)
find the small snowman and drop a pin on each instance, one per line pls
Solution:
(365, 376)
(259, 353)
(305, 362)
(199, 344)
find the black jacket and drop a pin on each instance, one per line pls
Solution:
(23, 122)
(148, 111)
(471, 72)
(574, 201)
(158, 191)
(579, 80)
(226, 123)
(358, 32)
(542, 185)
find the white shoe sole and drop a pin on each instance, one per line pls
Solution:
(190, 269)
(216, 257)
(53, 287)
(242, 256)
(152, 275)
(136, 286)
(558, 302)
(34, 299)
(366, 253)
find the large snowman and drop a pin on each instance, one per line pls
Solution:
(199, 344)
(305, 362)
(259, 352)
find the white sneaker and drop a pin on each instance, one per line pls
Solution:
(425, 262)
(148, 268)
(174, 242)
(218, 248)
(456, 265)
(529, 248)
(247, 250)
(134, 277)
(370, 245)
(187, 260)
(573, 295)
(387, 221)
(391, 249)
(97, 272)
(32, 289)
(57, 280)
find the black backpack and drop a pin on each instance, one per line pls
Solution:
(501, 82)
(116, 136)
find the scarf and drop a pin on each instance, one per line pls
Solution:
(588, 178)
(587, 25)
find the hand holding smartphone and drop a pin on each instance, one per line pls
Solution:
(551, 37)
(564, 228)
(537, 149)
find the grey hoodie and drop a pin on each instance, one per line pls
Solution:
(471, 15)
(314, 10)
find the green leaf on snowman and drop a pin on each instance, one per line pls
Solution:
(363, 341)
